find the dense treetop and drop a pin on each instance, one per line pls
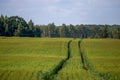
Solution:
(17, 26)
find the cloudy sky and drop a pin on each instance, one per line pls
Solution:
(64, 11)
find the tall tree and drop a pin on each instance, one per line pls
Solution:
(63, 31)
(13, 23)
(71, 31)
(31, 25)
(116, 33)
(20, 30)
(104, 32)
(6, 26)
(37, 31)
(31, 28)
(44, 30)
(2, 28)
(51, 30)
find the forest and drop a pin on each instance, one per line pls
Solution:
(17, 26)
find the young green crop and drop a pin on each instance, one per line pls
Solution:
(73, 68)
(104, 56)
(30, 58)
(33, 58)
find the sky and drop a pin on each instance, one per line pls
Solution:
(64, 11)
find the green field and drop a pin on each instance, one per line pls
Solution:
(30, 58)
(103, 56)
(73, 69)
(47, 59)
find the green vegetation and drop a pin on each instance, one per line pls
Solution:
(30, 58)
(59, 59)
(73, 69)
(17, 26)
(102, 57)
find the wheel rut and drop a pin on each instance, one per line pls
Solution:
(82, 56)
(87, 65)
(54, 72)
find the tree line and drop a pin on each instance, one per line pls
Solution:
(17, 26)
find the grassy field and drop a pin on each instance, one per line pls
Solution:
(47, 59)
(103, 56)
(30, 58)
(73, 69)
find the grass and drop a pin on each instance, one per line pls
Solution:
(30, 58)
(41, 46)
(104, 56)
(40, 58)
(73, 69)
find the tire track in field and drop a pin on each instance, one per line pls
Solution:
(87, 65)
(82, 56)
(54, 72)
